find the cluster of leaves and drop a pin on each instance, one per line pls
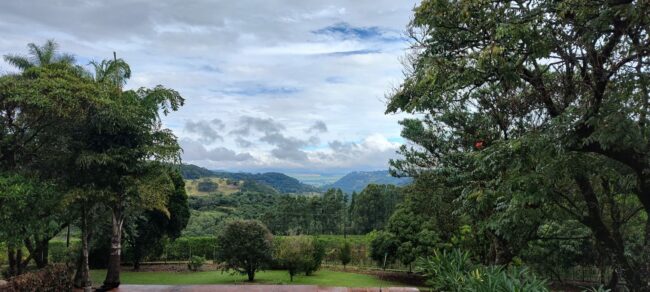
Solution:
(74, 147)
(299, 254)
(532, 132)
(454, 271)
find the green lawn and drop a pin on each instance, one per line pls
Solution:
(321, 278)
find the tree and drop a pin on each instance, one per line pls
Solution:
(383, 248)
(245, 246)
(40, 110)
(345, 254)
(373, 206)
(131, 150)
(512, 90)
(295, 254)
(40, 56)
(146, 236)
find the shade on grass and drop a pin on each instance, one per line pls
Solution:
(320, 278)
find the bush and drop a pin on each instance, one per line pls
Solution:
(54, 278)
(453, 271)
(60, 253)
(207, 186)
(383, 247)
(316, 257)
(195, 263)
(185, 247)
(345, 254)
(446, 271)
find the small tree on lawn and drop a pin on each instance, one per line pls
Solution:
(345, 254)
(245, 246)
(295, 254)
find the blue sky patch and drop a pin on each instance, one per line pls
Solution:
(344, 30)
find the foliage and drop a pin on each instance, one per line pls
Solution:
(245, 246)
(383, 248)
(148, 229)
(207, 186)
(373, 206)
(295, 254)
(190, 171)
(52, 278)
(454, 271)
(345, 254)
(446, 270)
(533, 114)
(195, 263)
(278, 181)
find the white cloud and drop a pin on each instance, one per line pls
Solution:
(290, 62)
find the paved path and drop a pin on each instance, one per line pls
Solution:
(254, 288)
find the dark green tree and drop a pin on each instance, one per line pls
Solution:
(373, 206)
(532, 108)
(345, 254)
(245, 246)
(151, 227)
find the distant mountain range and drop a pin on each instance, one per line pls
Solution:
(358, 180)
(278, 181)
(352, 182)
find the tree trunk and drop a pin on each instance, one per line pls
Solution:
(114, 261)
(13, 267)
(610, 240)
(82, 277)
(251, 275)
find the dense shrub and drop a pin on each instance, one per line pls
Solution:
(383, 247)
(454, 271)
(185, 247)
(56, 277)
(294, 253)
(59, 252)
(345, 254)
(207, 186)
(195, 263)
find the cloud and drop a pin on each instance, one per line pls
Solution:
(259, 89)
(193, 151)
(344, 30)
(241, 142)
(266, 69)
(264, 125)
(318, 127)
(205, 129)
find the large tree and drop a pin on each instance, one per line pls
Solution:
(245, 246)
(40, 109)
(560, 84)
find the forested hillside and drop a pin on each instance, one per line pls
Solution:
(279, 182)
(358, 180)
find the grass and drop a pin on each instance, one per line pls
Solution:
(320, 278)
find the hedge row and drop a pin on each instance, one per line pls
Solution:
(185, 247)
(56, 277)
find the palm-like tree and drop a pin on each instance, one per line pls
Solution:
(114, 72)
(40, 56)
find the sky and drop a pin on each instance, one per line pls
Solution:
(269, 85)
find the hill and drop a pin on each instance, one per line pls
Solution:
(358, 180)
(280, 182)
